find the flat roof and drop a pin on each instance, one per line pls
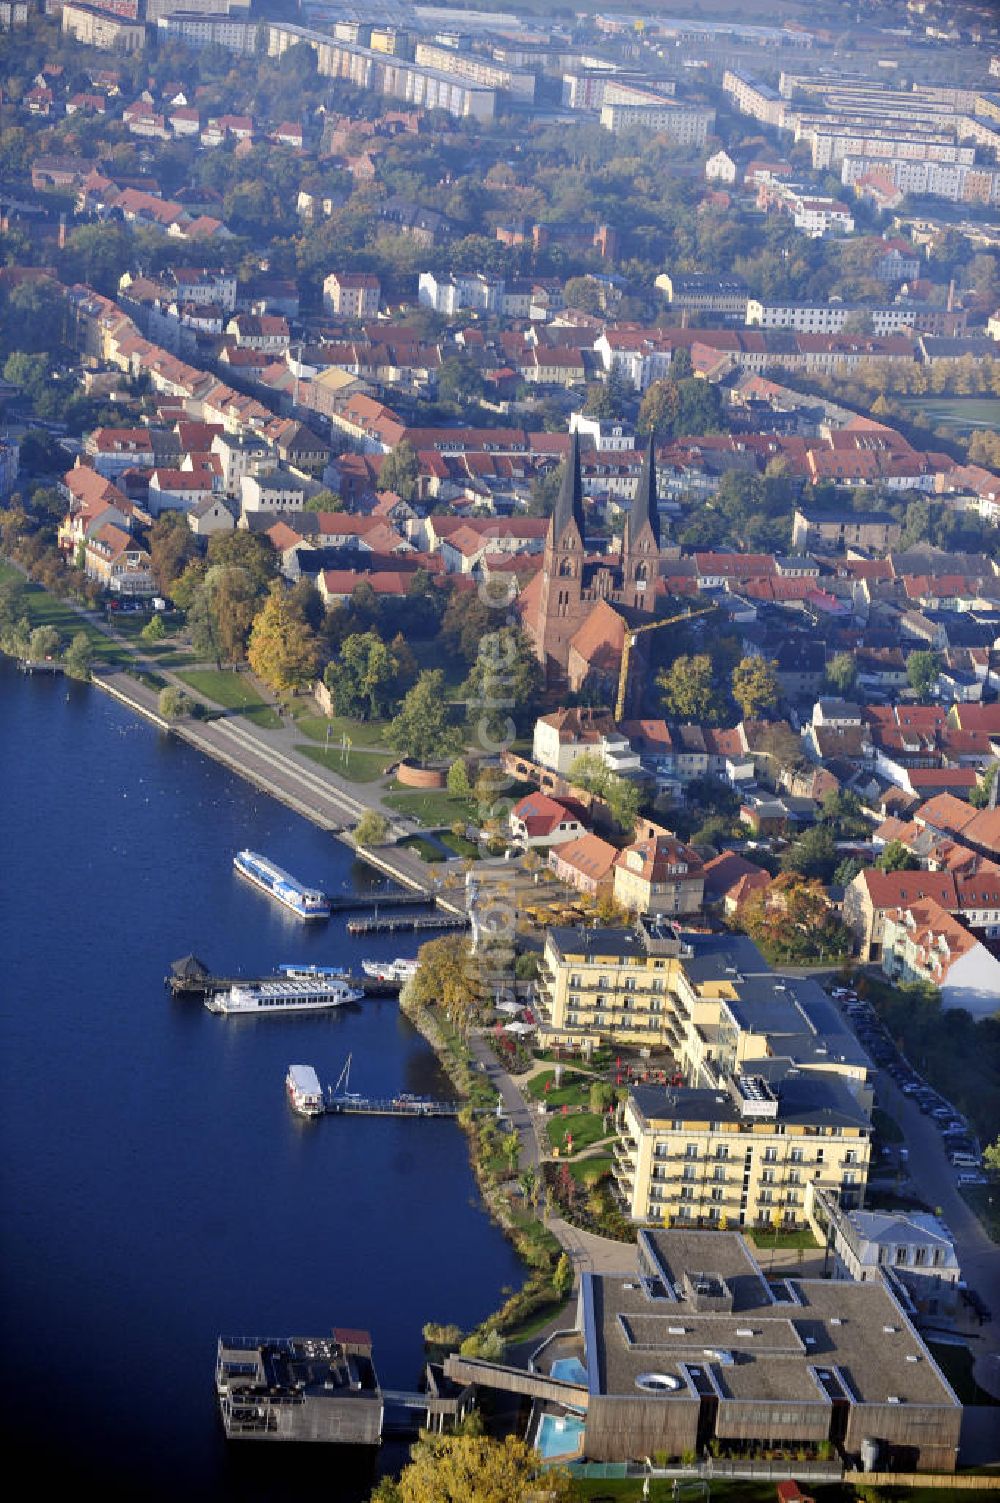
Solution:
(775, 1346)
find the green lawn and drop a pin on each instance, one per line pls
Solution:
(234, 691)
(355, 766)
(46, 610)
(360, 733)
(766, 1240)
(588, 1171)
(431, 809)
(424, 849)
(587, 1128)
(460, 845)
(573, 1091)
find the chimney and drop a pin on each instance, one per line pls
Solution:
(951, 296)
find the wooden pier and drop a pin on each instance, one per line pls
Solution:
(343, 902)
(39, 665)
(404, 925)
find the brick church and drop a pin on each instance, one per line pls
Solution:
(576, 610)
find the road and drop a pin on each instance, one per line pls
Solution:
(934, 1181)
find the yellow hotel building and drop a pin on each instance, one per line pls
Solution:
(741, 1155)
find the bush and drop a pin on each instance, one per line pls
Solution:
(371, 829)
(174, 704)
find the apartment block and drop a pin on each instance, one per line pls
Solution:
(100, 29)
(830, 147)
(758, 100)
(702, 293)
(686, 125)
(197, 28)
(519, 83)
(352, 294)
(827, 318)
(382, 73)
(740, 1155)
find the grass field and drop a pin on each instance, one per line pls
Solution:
(803, 1238)
(573, 1091)
(586, 1129)
(233, 691)
(985, 1201)
(431, 809)
(424, 848)
(356, 766)
(588, 1171)
(956, 1362)
(360, 733)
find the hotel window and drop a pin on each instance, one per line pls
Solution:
(690, 1150)
(770, 1155)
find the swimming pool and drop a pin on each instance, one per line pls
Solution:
(569, 1369)
(559, 1435)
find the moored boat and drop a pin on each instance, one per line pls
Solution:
(306, 902)
(273, 998)
(390, 970)
(304, 1091)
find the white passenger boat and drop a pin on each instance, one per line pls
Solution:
(390, 970)
(304, 1091)
(271, 999)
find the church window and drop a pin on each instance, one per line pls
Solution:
(566, 566)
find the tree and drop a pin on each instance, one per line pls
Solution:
(362, 678)
(78, 657)
(400, 471)
(755, 685)
(503, 686)
(154, 630)
(791, 920)
(282, 651)
(991, 1156)
(173, 703)
(658, 409)
(590, 771)
(447, 977)
(476, 1469)
(841, 672)
(848, 870)
(246, 550)
(583, 293)
(421, 730)
(562, 1277)
(372, 828)
(172, 546)
(325, 500)
(458, 778)
(896, 858)
(688, 688)
(43, 643)
(922, 669)
(231, 601)
(812, 854)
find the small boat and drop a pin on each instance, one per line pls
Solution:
(304, 1091)
(390, 970)
(313, 972)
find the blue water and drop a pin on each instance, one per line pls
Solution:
(570, 1369)
(559, 1435)
(156, 1188)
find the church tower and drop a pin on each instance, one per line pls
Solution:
(641, 540)
(560, 606)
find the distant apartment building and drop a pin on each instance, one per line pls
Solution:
(10, 458)
(519, 83)
(758, 100)
(684, 125)
(827, 318)
(835, 530)
(450, 294)
(13, 13)
(209, 28)
(352, 294)
(958, 182)
(378, 71)
(100, 29)
(587, 88)
(156, 9)
(699, 292)
(830, 147)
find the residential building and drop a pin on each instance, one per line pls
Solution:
(658, 875)
(93, 27)
(272, 490)
(117, 561)
(587, 863)
(823, 530)
(538, 821)
(742, 1154)
(352, 294)
(701, 293)
(758, 100)
(210, 28)
(912, 1251)
(924, 942)
(827, 318)
(682, 124)
(451, 293)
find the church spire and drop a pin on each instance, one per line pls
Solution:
(569, 503)
(644, 507)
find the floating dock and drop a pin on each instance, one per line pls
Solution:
(340, 1100)
(404, 925)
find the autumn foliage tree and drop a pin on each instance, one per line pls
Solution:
(755, 685)
(283, 651)
(447, 977)
(687, 688)
(791, 920)
(475, 1469)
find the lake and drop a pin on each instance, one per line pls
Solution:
(157, 1189)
